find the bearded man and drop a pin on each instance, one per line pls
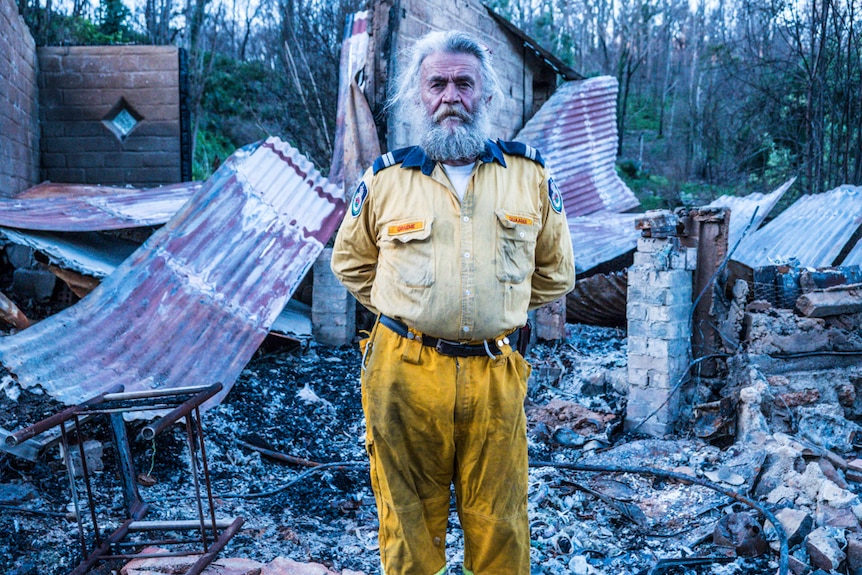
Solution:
(451, 242)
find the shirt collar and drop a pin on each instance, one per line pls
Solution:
(417, 158)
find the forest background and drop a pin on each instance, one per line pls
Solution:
(716, 96)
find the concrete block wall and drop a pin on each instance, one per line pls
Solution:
(515, 67)
(658, 311)
(333, 309)
(82, 87)
(19, 121)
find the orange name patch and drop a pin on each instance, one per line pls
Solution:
(519, 220)
(404, 228)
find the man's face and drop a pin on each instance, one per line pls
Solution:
(450, 88)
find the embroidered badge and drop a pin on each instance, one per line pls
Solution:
(519, 220)
(358, 199)
(555, 196)
(404, 228)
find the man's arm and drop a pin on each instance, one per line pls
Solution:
(354, 255)
(554, 275)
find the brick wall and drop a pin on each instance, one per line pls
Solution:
(83, 88)
(398, 24)
(19, 128)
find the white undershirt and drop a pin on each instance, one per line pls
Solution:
(459, 176)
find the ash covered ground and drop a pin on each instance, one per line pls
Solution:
(305, 402)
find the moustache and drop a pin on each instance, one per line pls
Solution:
(458, 112)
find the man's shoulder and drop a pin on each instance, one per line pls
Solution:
(392, 158)
(522, 150)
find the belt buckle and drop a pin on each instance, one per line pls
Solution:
(442, 342)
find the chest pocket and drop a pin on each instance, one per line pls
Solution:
(516, 246)
(406, 252)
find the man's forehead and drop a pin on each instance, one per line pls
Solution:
(448, 64)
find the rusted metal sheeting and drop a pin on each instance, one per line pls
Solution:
(191, 305)
(81, 259)
(576, 132)
(601, 237)
(814, 231)
(78, 208)
(751, 209)
(88, 253)
(599, 300)
(356, 144)
(854, 258)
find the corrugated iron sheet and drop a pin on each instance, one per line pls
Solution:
(854, 258)
(601, 237)
(192, 304)
(97, 256)
(599, 300)
(751, 209)
(356, 144)
(88, 253)
(78, 208)
(576, 132)
(84, 208)
(814, 231)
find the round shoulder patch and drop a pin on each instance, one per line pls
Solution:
(555, 196)
(358, 199)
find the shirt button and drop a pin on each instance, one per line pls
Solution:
(465, 328)
(466, 218)
(466, 292)
(521, 234)
(467, 255)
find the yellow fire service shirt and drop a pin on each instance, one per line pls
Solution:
(463, 271)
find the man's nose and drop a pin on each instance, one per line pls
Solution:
(450, 93)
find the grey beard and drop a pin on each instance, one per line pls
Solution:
(465, 142)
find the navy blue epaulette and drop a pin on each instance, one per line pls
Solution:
(521, 149)
(392, 158)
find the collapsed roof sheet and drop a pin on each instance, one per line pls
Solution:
(96, 255)
(88, 253)
(601, 237)
(79, 208)
(751, 209)
(576, 132)
(192, 304)
(814, 231)
(854, 258)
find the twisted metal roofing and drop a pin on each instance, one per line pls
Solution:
(79, 208)
(89, 253)
(192, 304)
(748, 213)
(601, 237)
(814, 231)
(576, 132)
(854, 258)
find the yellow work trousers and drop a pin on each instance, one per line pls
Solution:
(434, 421)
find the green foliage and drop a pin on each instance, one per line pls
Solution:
(113, 15)
(211, 149)
(657, 192)
(59, 29)
(642, 113)
(240, 105)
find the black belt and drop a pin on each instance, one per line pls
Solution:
(453, 348)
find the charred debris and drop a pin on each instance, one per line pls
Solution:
(738, 454)
(181, 392)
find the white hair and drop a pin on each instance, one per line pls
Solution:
(452, 42)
